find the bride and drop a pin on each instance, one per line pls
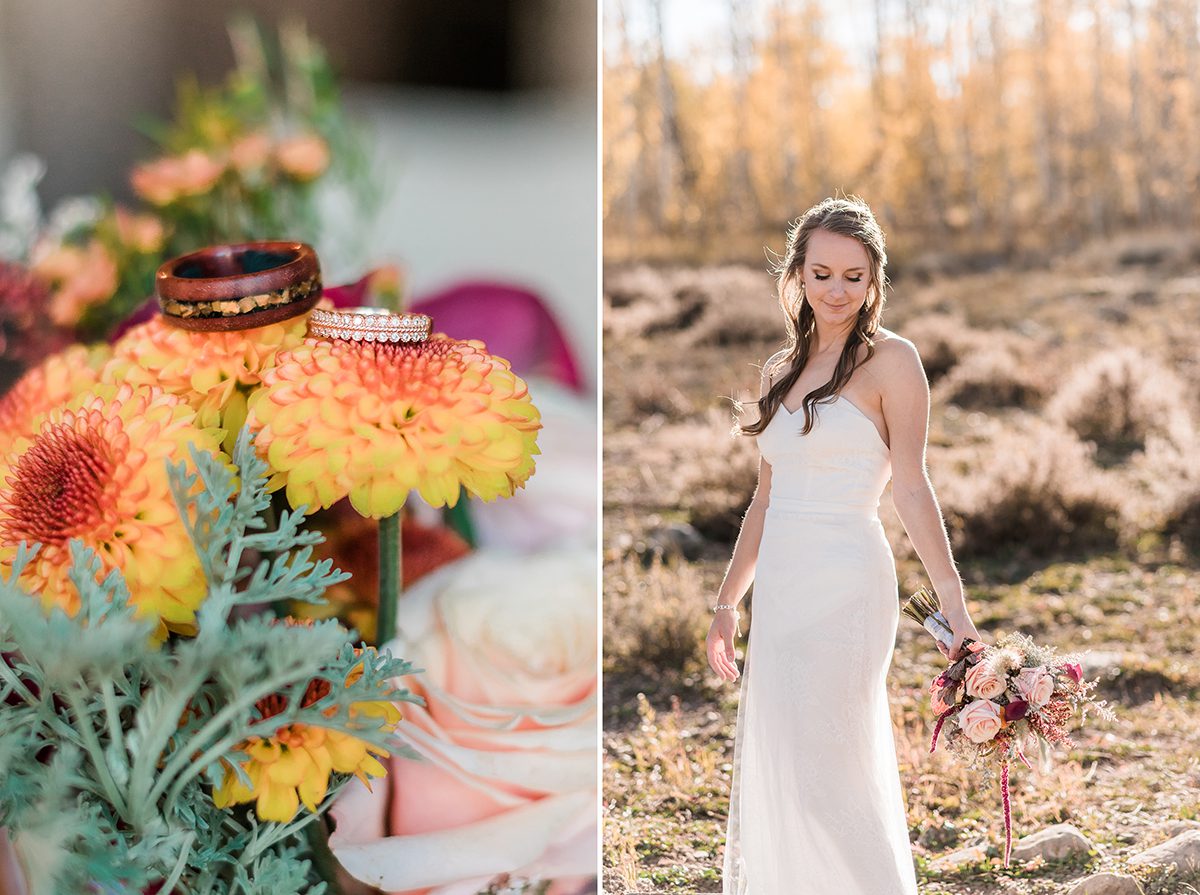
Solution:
(816, 805)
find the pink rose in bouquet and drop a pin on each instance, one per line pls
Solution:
(980, 720)
(1036, 685)
(503, 785)
(984, 682)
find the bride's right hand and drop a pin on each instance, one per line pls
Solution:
(719, 644)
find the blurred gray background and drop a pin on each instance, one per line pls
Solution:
(482, 115)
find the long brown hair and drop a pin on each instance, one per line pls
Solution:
(851, 217)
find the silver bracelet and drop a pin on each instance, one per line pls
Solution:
(721, 606)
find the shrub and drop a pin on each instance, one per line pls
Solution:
(1119, 399)
(943, 340)
(990, 378)
(712, 474)
(1035, 493)
(1167, 475)
(742, 309)
(655, 619)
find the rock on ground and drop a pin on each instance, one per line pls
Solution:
(960, 858)
(1182, 850)
(1108, 884)
(1053, 844)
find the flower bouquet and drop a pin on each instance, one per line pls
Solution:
(999, 699)
(153, 680)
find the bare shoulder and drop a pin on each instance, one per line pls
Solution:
(897, 367)
(896, 355)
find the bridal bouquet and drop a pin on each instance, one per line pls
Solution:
(1000, 699)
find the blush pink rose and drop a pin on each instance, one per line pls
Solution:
(980, 720)
(1036, 685)
(983, 682)
(504, 781)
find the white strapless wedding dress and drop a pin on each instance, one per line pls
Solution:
(817, 807)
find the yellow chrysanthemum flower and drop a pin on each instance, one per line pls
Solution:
(292, 766)
(96, 471)
(375, 421)
(212, 371)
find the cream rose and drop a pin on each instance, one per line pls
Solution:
(980, 720)
(506, 779)
(983, 682)
(1036, 685)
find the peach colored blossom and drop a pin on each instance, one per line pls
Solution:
(507, 779)
(303, 157)
(141, 232)
(937, 703)
(78, 278)
(170, 178)
(250, 153)
(1036, 685)
(980, 720)
(983, 682)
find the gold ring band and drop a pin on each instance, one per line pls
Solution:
(369, 325)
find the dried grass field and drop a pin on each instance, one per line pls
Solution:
(1064, 452)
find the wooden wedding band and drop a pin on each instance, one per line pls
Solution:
(230, 287)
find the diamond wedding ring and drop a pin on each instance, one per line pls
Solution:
(369, 325)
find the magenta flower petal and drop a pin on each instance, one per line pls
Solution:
(513, 322)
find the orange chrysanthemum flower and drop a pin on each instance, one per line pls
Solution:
(97, 472)
(212, 371)
(52, 383)
(293, 764)
(377, 420)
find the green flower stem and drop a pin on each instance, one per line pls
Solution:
(92, 745)
(390, 577)
(152, 746)
(180, 865)
(112, 715)
(458, 517)
(324, 862)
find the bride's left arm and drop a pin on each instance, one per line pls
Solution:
(905, 392)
